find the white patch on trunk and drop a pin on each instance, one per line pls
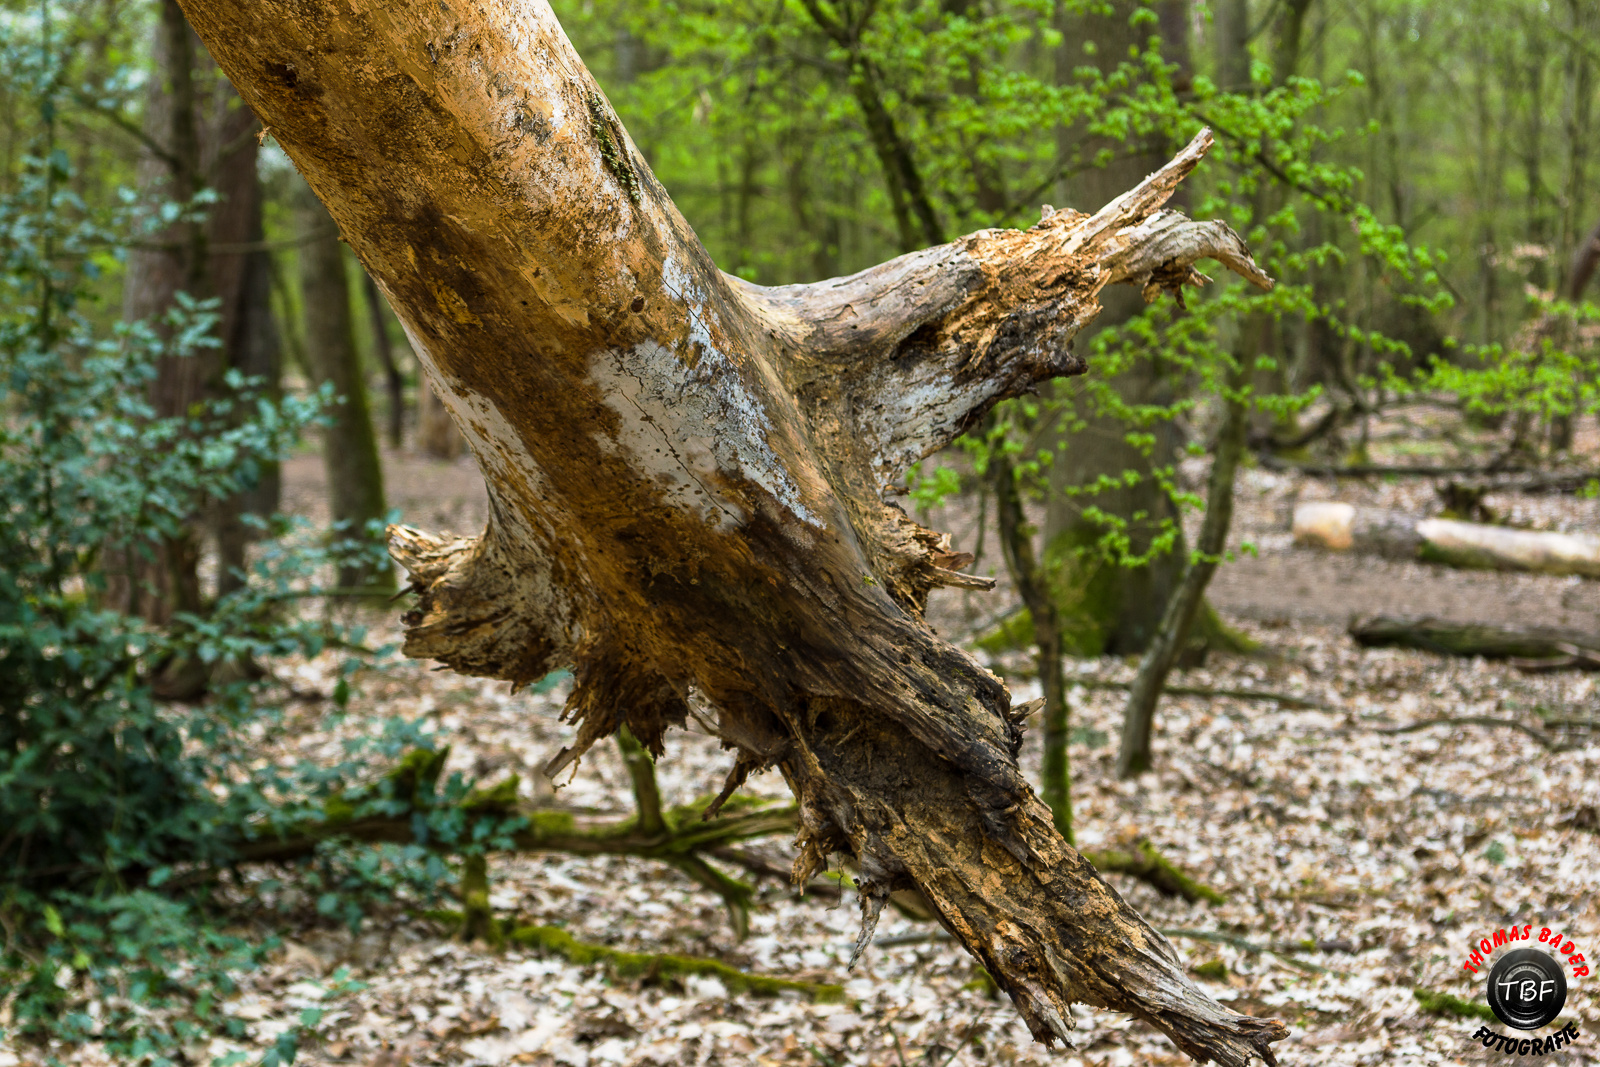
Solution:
(913, 413)
(689, 422)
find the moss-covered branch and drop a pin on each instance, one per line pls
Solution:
(664, 964)
(1148, 865)
(648, 965)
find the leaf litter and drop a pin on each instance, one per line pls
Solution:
(1358, 866)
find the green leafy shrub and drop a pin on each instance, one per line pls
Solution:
(116, 807)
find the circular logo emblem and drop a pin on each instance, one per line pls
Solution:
(1527, 989)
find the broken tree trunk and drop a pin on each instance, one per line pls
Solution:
(1398, 535)
(688, 473)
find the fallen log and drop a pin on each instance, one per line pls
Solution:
(1399, 535)
(1530, 647)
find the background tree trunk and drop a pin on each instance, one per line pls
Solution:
(1134, 756)
(241, 276)
(158, 581)
(349, 449)
(1106, 608)
(437, 435)
(394, 382)
(688, 473)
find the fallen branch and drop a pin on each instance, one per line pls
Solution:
(1149, 865)
(1215, 937)
(1449, 1005)
(1572, 658)
(1494, 478)
(1249, 946)
(1401, 470)
(1287, 700)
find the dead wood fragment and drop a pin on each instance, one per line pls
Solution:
(1189, 935)
(1368, 470)
(1249, 946)
(1287, 700)
(1147, 864)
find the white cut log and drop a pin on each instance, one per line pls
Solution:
(1398, 535)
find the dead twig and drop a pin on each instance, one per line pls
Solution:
(1215, 937)
(1219, 938)
(1550, 743)
(1572, 658)
(1287, 700)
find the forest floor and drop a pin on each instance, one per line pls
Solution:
(1359, 863)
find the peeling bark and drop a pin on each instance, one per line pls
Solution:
(688, 473)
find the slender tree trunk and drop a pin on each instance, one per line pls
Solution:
(1577, 118)
(688, 473)
(1134, 756)
(384, 350)
(1016, 544)
(202, 136)
(240, 274)
(915, 217)
(158, 581)
(350, 448)
(1232, 27)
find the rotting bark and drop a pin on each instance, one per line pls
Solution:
(688, 473)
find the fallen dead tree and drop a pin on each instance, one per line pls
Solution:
(1399, 535)
(690, 476)
(1529, 647)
